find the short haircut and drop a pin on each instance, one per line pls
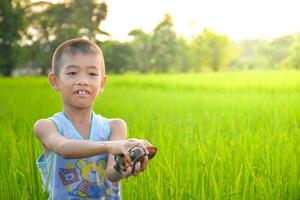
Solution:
(73, 47)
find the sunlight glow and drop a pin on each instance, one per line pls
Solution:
(238, 19)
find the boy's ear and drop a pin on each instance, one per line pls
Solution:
(53, 81)
(102, 84)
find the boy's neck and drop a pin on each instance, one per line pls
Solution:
(81, 120)
(78, 116)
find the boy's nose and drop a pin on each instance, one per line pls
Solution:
(82, 81)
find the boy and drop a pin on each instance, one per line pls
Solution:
(77, 162)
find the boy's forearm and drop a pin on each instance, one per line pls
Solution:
(71, 148)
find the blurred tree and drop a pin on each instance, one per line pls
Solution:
(272, 54)
(165, 47)
(200, 53)
(251, 54)
(264, 55)
(260, 53)
(12, 25)
(52, 24)
(213, 50)
(118, 56)
(159, 50)
(281, 49)
(186, 56)
(294, 58)
(142, 49)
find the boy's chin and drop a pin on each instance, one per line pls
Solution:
(83, 106)
(80, 106)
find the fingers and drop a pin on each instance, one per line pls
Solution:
(140, 143)
(144, 163)
(134, 170)
(128, 172)
(128, 162)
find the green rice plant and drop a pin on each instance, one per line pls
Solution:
(219, 135)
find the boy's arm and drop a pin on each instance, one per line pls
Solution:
(119, 132)
(47, 133)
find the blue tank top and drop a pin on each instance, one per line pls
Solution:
(78, 179)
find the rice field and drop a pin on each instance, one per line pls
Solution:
(220, 135)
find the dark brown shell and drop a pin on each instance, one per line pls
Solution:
(152, 151)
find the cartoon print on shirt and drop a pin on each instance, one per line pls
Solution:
(93, 175)
(68, 176)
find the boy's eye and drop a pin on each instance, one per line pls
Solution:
(71, 73)
(93, 74)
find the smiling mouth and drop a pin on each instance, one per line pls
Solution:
(81, 92)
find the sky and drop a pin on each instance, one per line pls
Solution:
(238, 19)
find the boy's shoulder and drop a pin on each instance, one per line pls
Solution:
(114, 123)
(41, 124)
(117, 125)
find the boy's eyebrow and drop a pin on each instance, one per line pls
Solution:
(76, 66)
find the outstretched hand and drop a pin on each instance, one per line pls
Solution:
(140, 160)
(124, 147)
(136, 168)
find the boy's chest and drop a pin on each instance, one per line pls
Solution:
(84, 131)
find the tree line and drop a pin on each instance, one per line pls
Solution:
(29, 33)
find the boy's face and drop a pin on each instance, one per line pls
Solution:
(80, 79)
